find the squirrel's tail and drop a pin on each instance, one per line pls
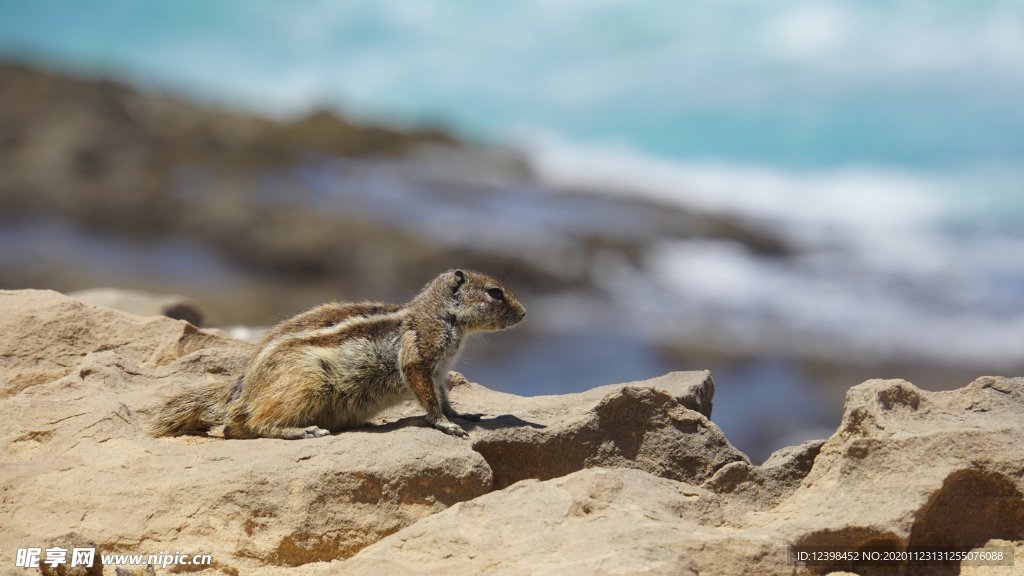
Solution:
(193, 411)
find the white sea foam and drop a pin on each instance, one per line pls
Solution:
(887, 264)
(854, 197)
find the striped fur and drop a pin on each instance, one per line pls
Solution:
(336, 366)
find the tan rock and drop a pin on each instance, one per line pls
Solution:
(659, 425)
(766, 485)
(75, 455)
(907, 468)
(79, 380)
(595, 521)
(68, 543)
(622, 463)
(47, 336)
(1016, 569)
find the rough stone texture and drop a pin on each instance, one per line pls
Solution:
(46, 336)
(596, 521)
(1016, 570)
(77, 381)
(637, 480)
(905, 468)
(766, 485)
(908, 467)
(651, 425)
(70, 541)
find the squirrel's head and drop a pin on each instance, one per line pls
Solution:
(478, 302)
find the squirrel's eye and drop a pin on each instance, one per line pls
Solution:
(496, 294)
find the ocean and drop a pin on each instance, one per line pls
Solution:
(884, 140)
(794, 83)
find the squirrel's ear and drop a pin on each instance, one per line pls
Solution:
(458, 279)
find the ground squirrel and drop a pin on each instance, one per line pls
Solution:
(337, 365)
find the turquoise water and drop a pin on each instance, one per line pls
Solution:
(799, 84)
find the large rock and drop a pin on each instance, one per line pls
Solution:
(46, 336)
(78, 380)
(596, 521)
(661, 426)
(766, 485)
(906, 468)
(623, 478)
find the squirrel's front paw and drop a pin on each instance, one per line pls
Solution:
(449, 427)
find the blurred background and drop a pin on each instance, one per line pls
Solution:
(798, 195)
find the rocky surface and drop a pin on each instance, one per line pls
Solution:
(625, 478)
(596, 521)
(914, 468)
(906, 468)
(660, 426)
(766, 485)
(78, 380)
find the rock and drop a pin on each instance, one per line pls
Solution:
(659, 425)
(79, 380)
(595, 521)
(143, 303)
(68, 543)
(908, 467)
(1017, 568)
(766, 485)
(47, 336)
(619, 479)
